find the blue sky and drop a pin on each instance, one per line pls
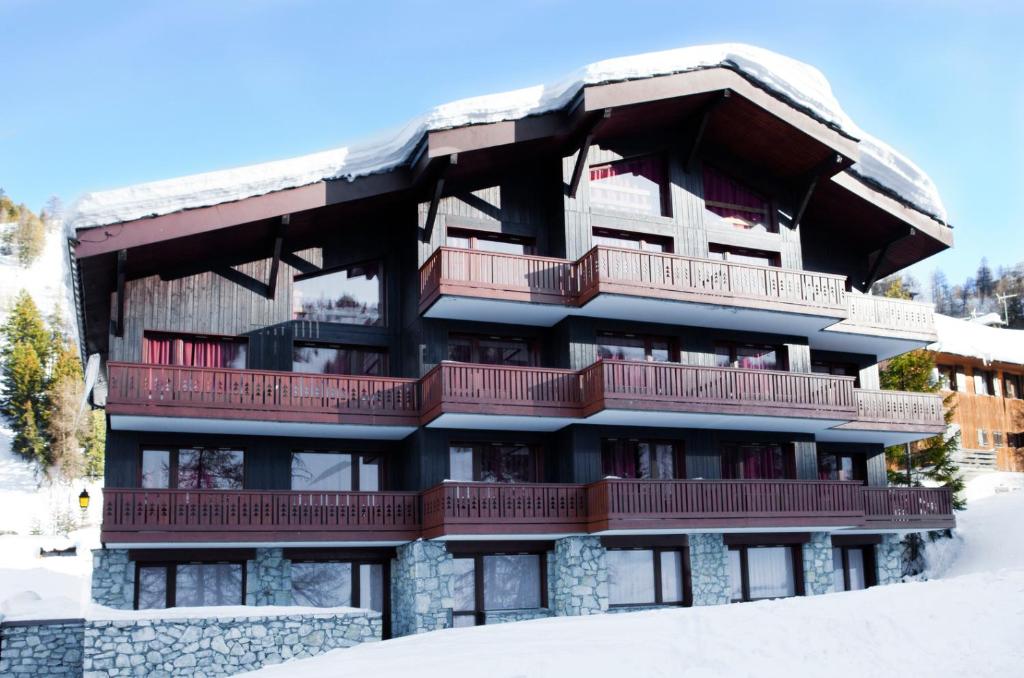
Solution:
(103, 94)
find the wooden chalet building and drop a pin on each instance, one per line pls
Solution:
(585, 359)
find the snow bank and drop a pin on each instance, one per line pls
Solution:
(799, 84)
(975, 340)
(56, 587)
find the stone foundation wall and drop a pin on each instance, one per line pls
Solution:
(889, 559)
(422, 588)
(113, 579)
(579, 577)
(819, 574)
(162, 648)
(32, 649)
(709, 569)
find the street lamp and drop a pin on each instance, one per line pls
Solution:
(83, 500)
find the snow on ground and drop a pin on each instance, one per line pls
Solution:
(967, 622)
(794, 82)
(54, 587)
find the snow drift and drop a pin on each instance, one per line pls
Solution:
(798, 84)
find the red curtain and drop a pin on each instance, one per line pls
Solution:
(763, 462)
(722, 189)
(192, 351)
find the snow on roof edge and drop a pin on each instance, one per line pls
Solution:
(797, 84)
(974, 340)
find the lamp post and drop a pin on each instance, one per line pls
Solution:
(83, 503)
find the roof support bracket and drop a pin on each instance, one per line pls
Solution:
(275, 261)
(435, 197)
(699, 124)
(831, 164)
(584, 151)
(877, 259)
(122, 262)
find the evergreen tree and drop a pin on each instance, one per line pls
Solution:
(24, 326)
(931, 458)
(897, 289)
(94, 442)
(28, 441)
(29, 237)
(983, 280)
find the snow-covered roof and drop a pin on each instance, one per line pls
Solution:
(975, 340)
(798, 84)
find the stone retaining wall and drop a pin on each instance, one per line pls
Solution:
(41, 649)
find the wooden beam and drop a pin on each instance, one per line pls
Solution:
(435, 197)
(703, 117)
(122, 261)
(834, 163)
(275, 262)
(879, 260)
(581, 159)
(298, 263)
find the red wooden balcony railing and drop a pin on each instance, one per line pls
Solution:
(620, 384)
(723, 503)
(258, 394)
(475, 508)
(620, 271)
(462, 508)
(501, 389)
(908, 507)
(190, 515)
(889, 409)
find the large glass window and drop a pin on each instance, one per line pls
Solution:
(152, 587)
(464, 607)
(632, 241)
(489, 242)
(837, 466)
(314, 358)
(639, 347)
(852, 567)
(471, 348)
(767, 461)
(493, 462)
(205, 584)
(193, 468)
(159, 348)
(336, 471)
(631, 577)
(984, 382)
(1012, 385)
(759, 572)
(730, 204)
(353, 295)
(637, 185)
(325, 584)
(749, 356)
(635, 458)
(512, 581)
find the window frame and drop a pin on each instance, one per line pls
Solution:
(147, 335)
(798, 575)
(170, 569)
(772, 212)
(381, 283)
(536, 452)
(674, 353)
(660, 159)
(475, 338)
(860, 463)
(356, 455)
(774, 258)
(1012, 385)
(987, 379)
(678, 452)
(659, 594)
(477, 555)
(643, 239)
(782, 354)
(868, 559)
(949, 374)
(383, 351)
(983, 438)
(172, 467)
(788, 457)
(474, 236)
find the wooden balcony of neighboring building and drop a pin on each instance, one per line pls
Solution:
(492, 510)
(221, 400)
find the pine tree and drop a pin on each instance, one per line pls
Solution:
(29, 237)
(897, 289)
(24, 326)
(28, 441)
(94, 442)
(931, 458)
(983, 280)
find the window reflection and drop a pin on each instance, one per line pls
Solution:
(210, 469)
(312, 358)
(511, 582)
(204, 584)
(635, 185)
(352, 296)
(325, 584)
(156, 469)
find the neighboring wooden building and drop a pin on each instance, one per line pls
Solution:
(624, 330)
(985, 367)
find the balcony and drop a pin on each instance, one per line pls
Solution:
(608, 282)
(885, 327)
(224, 516)
(460, 510)
(214, 400)
(891, 417)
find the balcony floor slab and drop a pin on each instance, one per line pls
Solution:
(880, 343)
(166, 424)
(863, 436)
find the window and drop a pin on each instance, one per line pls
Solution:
(838, 369)
(470, 348)
(982, 438)
(749, 356)
(947, 374)
(834, 466)
(194, 350)
(336, 471)
(984, 382)
(201, 584)
(1012, 385)
(493, 462)
(632, 241)
(636, 185)
(997, 438)
(853, 567)
(332, 584)
(1015, 440)
(633, 458)
(767, 461)
(496, 582)
(743, 255)
(759, 572)
(313, 358)
(647, 577)
(192, 468)
(353, 295)
(730, 204)
(489, 242)
(639, 347)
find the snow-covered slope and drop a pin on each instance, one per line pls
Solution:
(969, 622)
(799, 84)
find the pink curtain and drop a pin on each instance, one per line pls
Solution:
(720, 188)
(618, 459)
(764, 462)
(192, 352)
